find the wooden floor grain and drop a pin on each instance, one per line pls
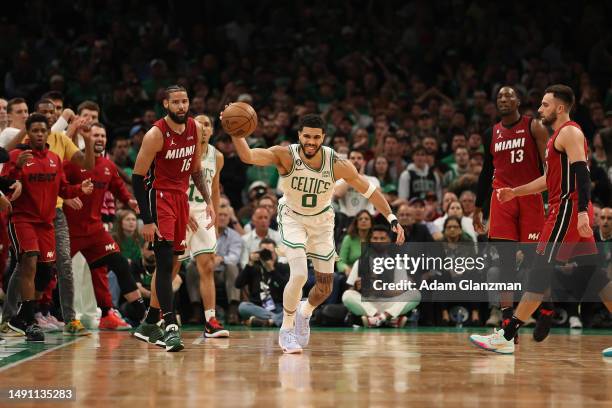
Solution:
(341, 368)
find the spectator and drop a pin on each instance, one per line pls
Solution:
(380, 170)
(351, 201)
(17, 113)
(419, 178)
(3, 114)
(418, 209)
(270, 203)
(358, 233)
(265, 279)
(375, 314)
(261, 224)
(413, 231)
(455, 209)
(468, 201)
(128, 237)
(459, 168)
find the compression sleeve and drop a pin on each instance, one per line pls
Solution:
(583, 184)
(142, 198)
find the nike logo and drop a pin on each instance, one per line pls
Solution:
(29, 164)
(172, 143)
(520, 131)
(83, 170)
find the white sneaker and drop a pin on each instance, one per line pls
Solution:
(495, 342)
(288, 342)
(607, 352)
(372, 321)
(494, 319)
(52, 319)
(575, 322)
(44, 324)
(302, 327)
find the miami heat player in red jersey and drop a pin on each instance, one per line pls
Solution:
(512, 158)
(170, 154)
(568, 223)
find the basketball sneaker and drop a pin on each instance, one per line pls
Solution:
(34, 333)
(75, 328)
(372, 321)
(150, 333)
(45, 324)
(2, 341)
(575, 323)
(288, 342)
(52, 319)
(543, 324)
(302, 326)
(7, 331)
(172, 338)
(607, 352)
(213, 329)
(112, 321)
(495, 342)
(397, 322)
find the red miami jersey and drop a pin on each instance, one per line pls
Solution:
(559, 183)
(171, 167)
(104, 177)
(515, 154)
(43, 180)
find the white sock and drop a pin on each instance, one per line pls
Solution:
(307, 309)
(208, 314)
(288, 321)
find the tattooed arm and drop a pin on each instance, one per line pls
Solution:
(198, 177)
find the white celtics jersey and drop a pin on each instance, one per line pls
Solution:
(308, 191)
(353, 201)
(209, 169)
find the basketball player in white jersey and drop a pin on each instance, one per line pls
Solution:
(306, 219)
(202, 243)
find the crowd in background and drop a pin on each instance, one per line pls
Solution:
(407, 90)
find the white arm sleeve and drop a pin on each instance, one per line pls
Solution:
(60, 125)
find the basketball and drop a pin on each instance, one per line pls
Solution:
(239, 119)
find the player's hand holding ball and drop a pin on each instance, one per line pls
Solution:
(239, 119)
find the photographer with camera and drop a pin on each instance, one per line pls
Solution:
(265, 280)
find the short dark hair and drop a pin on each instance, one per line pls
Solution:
(357, 151)
(34, 118)
(89, 105)
(267, 241)
(419, 149)
(119, 138)
(563, 93)
(452, 218)
(53, 95)
(312, 121)
(42, 101)
(14, 101)
(172, 89)
(98, 124)
(381, 228)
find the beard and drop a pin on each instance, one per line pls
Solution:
(98, 149)
(549, 120)
(176, 118)
(310, 156)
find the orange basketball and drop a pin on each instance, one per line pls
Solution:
(239, 119)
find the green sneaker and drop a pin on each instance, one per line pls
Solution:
(75, 328)
(172, 338)
(151, 333)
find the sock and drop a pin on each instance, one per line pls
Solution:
(105, 310)
(152, 315)
(507, 313)
(512, 328)
(136, 310)
(547, 305)
(307, 309)
(209, 314)
(169, 318)
(26, 311)
(288, 319)
(43, 308)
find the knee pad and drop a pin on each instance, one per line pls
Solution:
(325, 267)
(44, 273)
(324, 283)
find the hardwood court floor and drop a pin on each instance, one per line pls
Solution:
(341, 368)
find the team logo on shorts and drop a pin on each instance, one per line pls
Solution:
(50, 254)
(106, 171)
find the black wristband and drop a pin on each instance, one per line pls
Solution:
(580, 173)
(142, 198)
(394, 223)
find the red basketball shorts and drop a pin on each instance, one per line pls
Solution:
(520, 219)
(170, 210)
(94, 246)
(33, 237)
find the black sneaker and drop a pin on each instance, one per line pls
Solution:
(505, 324)
(18, 325)
(543, 324)
(35, 334)
(214, 329)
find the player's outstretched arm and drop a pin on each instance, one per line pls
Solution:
(151, 144)
(258, 157)
(536, 186)
(344, 169)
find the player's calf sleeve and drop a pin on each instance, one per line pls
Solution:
(118, 264)
(43, 276)
(322, 288)
(163, 279)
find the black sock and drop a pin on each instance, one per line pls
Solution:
(26, 311)
(43, 308)
(512, 328)
(507, 312)
(105, 311)
(547, 305)
(169, 318)
(135, 310)
(152, 315)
